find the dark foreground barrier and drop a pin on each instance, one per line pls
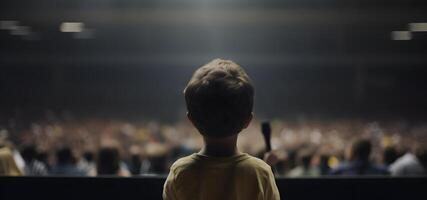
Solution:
(151, 188)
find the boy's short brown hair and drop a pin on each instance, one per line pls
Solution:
(219, 98)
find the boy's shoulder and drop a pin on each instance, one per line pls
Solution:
(257, 166)
(242, 161)
(182, 163)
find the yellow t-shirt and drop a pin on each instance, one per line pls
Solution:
(240, 177)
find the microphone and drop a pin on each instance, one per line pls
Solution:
(266, 132)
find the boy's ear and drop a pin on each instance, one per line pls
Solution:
(249, 120)
(191, 119)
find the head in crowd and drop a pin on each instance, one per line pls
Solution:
(135, 164)
(43, 157)
(219, 99)
(323, 164)
(108, 161)
(88, 156)
(304, 158)
(29, 153)
(8, 165)
(390, 155)
(361, 150)
(65, 156)
(292, 158)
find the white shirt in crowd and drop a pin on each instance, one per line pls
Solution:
(407, 165)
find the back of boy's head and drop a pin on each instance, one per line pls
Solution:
(219, 98)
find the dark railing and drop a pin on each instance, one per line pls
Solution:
(150, 187)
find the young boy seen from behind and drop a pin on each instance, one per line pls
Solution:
(219, 100)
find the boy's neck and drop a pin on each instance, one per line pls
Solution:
(220, 147)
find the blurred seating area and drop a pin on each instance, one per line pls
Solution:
(63, 144)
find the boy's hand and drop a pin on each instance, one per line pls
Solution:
(271, 158)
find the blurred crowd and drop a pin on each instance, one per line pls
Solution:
(68, 146)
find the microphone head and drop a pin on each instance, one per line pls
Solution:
(266, 132)
(266, 128)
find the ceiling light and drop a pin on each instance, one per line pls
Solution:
(418, 27)
(71, 27)
(401, 35)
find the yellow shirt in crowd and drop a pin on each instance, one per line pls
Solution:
(240, 177)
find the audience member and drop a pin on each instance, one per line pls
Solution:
(135, 164)
(411, 164)
(304, 167)
(8, 165)
(87, 163)
(324, 165)
(43, 157)
(109, 163)
(390, 155)
(66, 164)
(359, 162)
(33, 167)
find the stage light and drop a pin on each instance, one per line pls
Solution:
(71, 27)
(401, 35)
(418, 27)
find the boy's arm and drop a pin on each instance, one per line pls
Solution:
(169, 187)
(271, 190)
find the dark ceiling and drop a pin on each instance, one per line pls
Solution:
(183, 32)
